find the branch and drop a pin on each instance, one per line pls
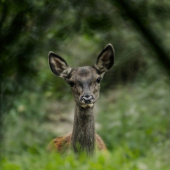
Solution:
(4, 14)
(148, 34)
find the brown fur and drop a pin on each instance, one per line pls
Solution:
(62, 143)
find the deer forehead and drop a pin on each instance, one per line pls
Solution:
(84, 74)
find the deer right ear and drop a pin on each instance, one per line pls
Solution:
(105, 59)
(58, 65)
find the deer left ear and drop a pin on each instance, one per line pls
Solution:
(105, 59)
(58, 65)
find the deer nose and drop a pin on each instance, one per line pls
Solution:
(87, 98)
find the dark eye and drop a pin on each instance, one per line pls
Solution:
(71, 83)
(98, 80)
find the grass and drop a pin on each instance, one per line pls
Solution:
(133, 121)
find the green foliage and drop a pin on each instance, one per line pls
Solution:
(67, 28)
(140, 116)
(115, 160)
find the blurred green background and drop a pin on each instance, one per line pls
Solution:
(132, 114)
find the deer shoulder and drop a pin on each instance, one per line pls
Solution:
(62, 143)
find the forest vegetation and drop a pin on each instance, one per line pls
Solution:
(133, 111)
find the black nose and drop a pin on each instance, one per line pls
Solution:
(87, 98)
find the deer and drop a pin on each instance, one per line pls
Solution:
(85, 85)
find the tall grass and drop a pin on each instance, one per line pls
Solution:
(133, 121)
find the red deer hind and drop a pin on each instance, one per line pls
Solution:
(85, 86)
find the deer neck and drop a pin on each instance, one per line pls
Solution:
(83, 136)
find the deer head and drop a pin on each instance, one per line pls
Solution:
(84, 81)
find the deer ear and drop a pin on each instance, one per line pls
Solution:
(105, 59)
(58, 65)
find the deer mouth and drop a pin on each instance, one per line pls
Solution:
(87, 105)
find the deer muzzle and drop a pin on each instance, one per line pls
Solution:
(87, 100)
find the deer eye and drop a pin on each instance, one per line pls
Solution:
(98, 80)
(71, 83)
